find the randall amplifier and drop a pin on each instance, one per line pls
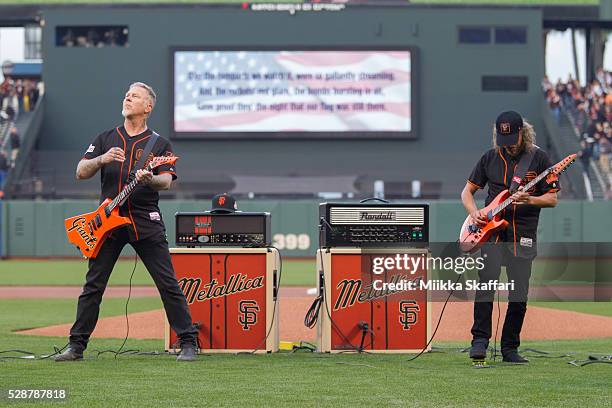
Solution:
(373, 225)
(240, 229)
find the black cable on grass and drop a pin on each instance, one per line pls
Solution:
(592, 360)
(280, 276)
(55, 352)
(30, 355)
(127, 320)
(543, 354)
(439, 321)
(494, 351)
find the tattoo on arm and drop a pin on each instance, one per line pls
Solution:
(161, 182)
(87, 168)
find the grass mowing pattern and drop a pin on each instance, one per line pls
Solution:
(296, 272)
(47, 272)
(284, 379)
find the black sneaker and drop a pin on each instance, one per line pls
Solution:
(188, 353)
(478, 350)
(69, 354)
(514, 357)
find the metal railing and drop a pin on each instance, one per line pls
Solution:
(563, 142)
(30, 136)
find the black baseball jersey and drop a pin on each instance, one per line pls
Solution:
(142, 205)
(496, 169)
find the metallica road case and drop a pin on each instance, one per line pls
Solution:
(232, 295)
(358, 314)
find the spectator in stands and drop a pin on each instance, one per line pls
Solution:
(585, 156)
(605, 150)
(32, 93)
(15, 145)
(554, 102)
(10, 105)
(19, 91)
(68, 39)
(4, 167)
(591, 108)
(94, 36)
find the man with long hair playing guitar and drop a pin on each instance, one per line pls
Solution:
(513, 151)
(117, 153)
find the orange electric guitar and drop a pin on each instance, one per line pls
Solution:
(473, 237)
(88, 231)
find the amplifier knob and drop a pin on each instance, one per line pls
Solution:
(203, 238)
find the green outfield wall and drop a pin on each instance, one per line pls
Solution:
(35, 228)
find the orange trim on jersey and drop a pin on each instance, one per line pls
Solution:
(129, 171)
(514, 226)
(164, 172)
(121, 171)
(505, 164)
(474, 184)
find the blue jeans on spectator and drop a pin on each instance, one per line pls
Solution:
(2, 177)
(596, 151)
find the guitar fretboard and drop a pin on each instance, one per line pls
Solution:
(527, 187)
(125, 193)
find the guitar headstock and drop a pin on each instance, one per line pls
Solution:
(162, 160)
(563, 164)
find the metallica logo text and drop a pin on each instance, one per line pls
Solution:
(195, 291)
(353, 290)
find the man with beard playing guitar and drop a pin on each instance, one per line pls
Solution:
(514, 151)
(116, 153)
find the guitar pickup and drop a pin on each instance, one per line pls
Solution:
(98, 221)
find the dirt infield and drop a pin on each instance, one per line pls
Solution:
(540, 323)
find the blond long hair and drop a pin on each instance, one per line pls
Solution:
(528, 139)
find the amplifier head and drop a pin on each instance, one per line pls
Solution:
(240, 229)
(374, 225)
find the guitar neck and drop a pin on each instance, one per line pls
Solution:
(125, 193)
(527, 187)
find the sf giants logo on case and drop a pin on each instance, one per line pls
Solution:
(221, 200)
(248, 313)
(408, 313)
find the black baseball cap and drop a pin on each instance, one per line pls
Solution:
(223, 203)
(507, 126)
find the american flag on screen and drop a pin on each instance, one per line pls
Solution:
(285, 91)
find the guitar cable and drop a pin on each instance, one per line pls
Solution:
(312, 315)
(127, 319)
(274, 314)
(424, 349)
(31, 355)
(494, 351)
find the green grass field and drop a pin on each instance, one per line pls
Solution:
(289, 379)
(283, 379)
(47, 272)
(296, 272)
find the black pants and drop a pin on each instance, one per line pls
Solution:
(519, 271)
(154, 254)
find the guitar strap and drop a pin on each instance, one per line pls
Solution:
(521, 169)
(144, 155)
